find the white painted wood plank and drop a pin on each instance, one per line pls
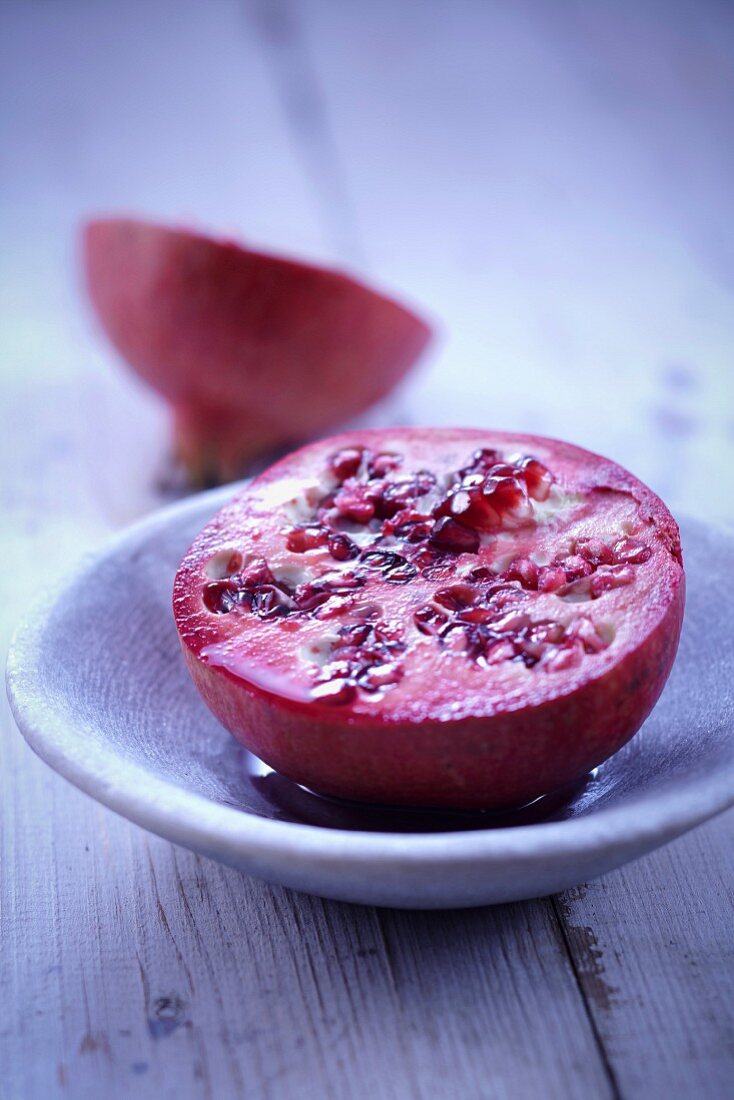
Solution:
(654, 949)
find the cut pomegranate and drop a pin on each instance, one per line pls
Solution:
(427, 657)
(239, 342)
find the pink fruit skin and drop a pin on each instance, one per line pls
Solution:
(485, 761)
(471, 764)
(250, 350)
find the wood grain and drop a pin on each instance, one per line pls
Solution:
(129, 967)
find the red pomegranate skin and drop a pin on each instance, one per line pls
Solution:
(251, 351)
(482, 714)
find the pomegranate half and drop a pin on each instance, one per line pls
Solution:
(434, 617)
(250, 350)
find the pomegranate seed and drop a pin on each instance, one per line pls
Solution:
(545, 632)
(588, 635)
(342, 548)
(514, 622)
(380, 676)
(309, 537)
(550, 578)
(401, 574)
(537, 478)
(506, 595)
(393, 497)
(257, 573)
(610, 576)
(558, 659)
(310, 596)
(383, 464)
(429, 620)
(220, 597)
(498, 652)
(476, 615)
(334, 692)
(415, 530)
(574, 566)
(450, 535)
(481, 573)
(381, 559)
(456, 597)
(352, 501)
(502, 470)
(346, 463)
(507, 494)
(631, 551)
(594, 551)
(525, 571)
(480, 461)
(270, 602)
(471, 508)
(355, 634)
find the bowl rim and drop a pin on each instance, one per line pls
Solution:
(189, 818)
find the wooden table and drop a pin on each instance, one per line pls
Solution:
(555, 183)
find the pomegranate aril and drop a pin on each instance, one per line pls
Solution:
(609, 577)
(391, 498)
(501, 470)
(381, 559)
(346, 463)
(480, 461)
(342, 547)
(481, 573)
(524, 570)
(551, 578)
(352, 501)
(574, 566)
(452, 536)
(356, 634)
(498, 652)
(309, 537)
(257, 573)
(505, 595)
(631, 551)
(514, 622)
(415, 530)
(309, 596)
(476, 615)
(456, 596)
(594, 551)
(558, 659)
(588, 635)
(334, 691)
(429, 620)
(383, 464)
(380, 676)
(401, 574)
(507, 494)
(471, 508)
(537, 478)
(220, 597)
(270, 602)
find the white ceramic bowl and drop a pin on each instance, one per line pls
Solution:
(100, 691)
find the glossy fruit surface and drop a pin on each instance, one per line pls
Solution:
(251, 351)
(435, 617)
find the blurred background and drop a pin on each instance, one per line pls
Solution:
(552, 183)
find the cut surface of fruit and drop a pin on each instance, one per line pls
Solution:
(251, 351)
(442, 617)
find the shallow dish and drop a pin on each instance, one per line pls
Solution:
(99, 689)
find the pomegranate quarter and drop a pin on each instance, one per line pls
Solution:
(434, 617)
(238, 342)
